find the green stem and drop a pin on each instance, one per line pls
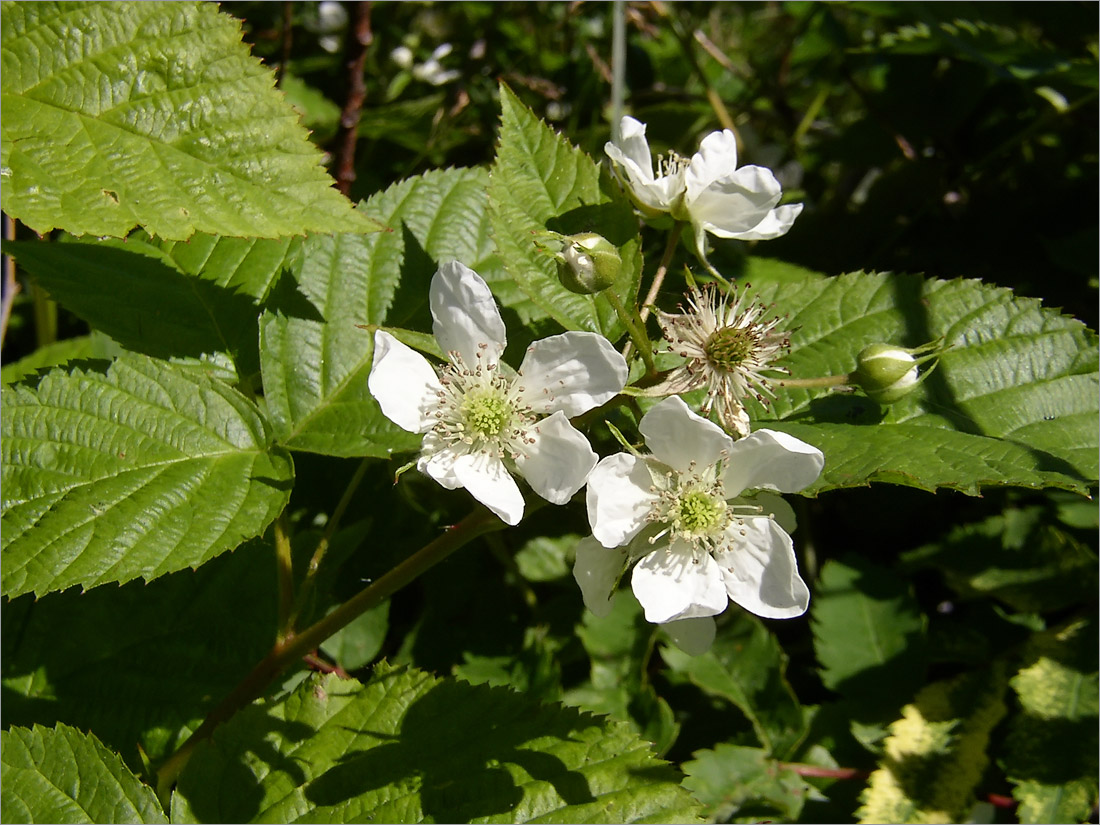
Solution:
(809, 383)
(45, 317)
(618, 66)
(662, 270)
(636, 330)
(284, 566)
(292, 648)
(309, 583)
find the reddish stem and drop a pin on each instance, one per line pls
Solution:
(825, 773)
(359, 37)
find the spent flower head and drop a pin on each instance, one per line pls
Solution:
(481, 422)
(682, 515)
(728, 344)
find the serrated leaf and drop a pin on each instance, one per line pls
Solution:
(540, 181)
(1013, 402)
(146, 469)
(63, 775)
(747, 667)
(868, 634)
(936, 753)
(139, 299)
(1050, 753)
(406, 747)
(155, 115)
(738, 782)
(83, 347)
(109, 660)
(315, 358)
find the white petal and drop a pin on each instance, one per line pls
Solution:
(677, 436)
(573, 372)
(467, 320)
(673, 583)
(716, 158)
(403, 383)
(487, 480)
(438, 462)
(776, 223)
(632, 148)
(558, 463)
(597, 571)
(737, 203)
(693, 636)
(760, 571)
(619, 498)
(770, 460)
(632, 158)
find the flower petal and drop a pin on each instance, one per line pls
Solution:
(597, 570)
(716, 159)
(736, 203)
(403, 383)
(693, 636)
(619, 498)
(487, 480)
(558, 463)
(776, 223)
(760, 571)
(573, 372)
(631, 157)
(770, 460)
(675, 583)
(437, 461)
(467, 320)
(678, 437)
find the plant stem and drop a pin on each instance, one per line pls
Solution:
(618, 66)
(809, 383)
(11, 286)
(662, 270)
(637, 331)
(359, 37)
(284, 567)
(826, 773)
(294, 647)
(310, 580)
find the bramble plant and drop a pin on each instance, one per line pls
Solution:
(289, 536)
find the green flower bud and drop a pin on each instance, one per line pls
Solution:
(588, 263)
(887, 373)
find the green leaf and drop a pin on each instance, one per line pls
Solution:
(315, 358)
(747, 667)
(733, 781)
(540, 181)
(546, 558)
(135, 296)
(356, 644)
(155, 115)
(86, 347)
(1017, 557)
(146, 469)
(936, 752)
(1014, 401)
(110, 660)
(406, 747)
(64, 775)
(1050, 753)
(868, 635)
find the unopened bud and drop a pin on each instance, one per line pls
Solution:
(588, 263)
(887, 373)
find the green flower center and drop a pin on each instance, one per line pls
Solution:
(698, 513)
(729, 348)
(487, 412)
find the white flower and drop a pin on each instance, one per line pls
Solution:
(677, 513)
(708, 190)
(479, 420)
(727, 347)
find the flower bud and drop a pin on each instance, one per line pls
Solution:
(886, 372)
(588, 263)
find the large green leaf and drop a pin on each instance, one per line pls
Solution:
(407, 747)
(146, 469)
(155, 115)
(747, 667)
(94, 346)
(316, 359)
(1014, 402)
(63, 775)
(115, 660)
(1051, 749)
(540, 181)
(135, 295)
(868, 634)
(734, 781)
